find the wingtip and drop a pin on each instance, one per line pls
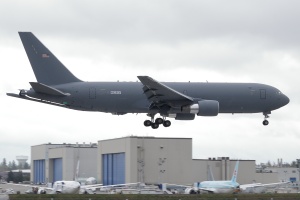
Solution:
(140, 77)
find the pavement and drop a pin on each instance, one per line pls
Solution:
(16, 188)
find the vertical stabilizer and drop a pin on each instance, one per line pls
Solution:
(47, 68)
(210, 176)
(77, 170)
(235, 172)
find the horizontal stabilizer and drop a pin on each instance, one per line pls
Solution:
(36, 100)
(45, 89)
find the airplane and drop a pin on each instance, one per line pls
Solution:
(230, 186)
(63, 187)
(66, 187)
(57, 86)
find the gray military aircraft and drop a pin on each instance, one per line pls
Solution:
(56, 85)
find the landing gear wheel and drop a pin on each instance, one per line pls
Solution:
(266, 114)
(159, 121)
(147, 123)
(265, 122)
(154, 125)
(167, 123)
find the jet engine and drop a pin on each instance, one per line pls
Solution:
(203, 108)
(185, 116)
(190, 191)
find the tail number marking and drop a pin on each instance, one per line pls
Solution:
(115, 92)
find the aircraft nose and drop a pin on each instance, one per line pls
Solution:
(286, 100)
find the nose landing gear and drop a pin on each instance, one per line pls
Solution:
(155, 123)
(266, 114)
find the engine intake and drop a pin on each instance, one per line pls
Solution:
(203, 108)
(182, 116)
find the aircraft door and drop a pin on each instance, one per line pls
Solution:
(92, 93)
(59, 187)
(263, 94)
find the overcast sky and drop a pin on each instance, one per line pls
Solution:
(212, 40)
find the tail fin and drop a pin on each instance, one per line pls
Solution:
(47, 68)
(210, 176)
(235, 172)
(77, 171)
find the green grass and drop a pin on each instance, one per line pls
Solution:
(156, 197)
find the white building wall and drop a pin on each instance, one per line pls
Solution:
(87, 162)
(166, 159)
(157, 160)
(41, 152)
(149, 159)
(265, 178)
(285, 173)
(70, 155)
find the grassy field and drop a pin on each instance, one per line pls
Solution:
(156, 197)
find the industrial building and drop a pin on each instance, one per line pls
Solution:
(53, 162)
(136, 159)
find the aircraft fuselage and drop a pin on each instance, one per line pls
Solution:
(128, 97)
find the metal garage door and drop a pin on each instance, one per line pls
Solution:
(113, 168)
(57, 169)
(39, 171)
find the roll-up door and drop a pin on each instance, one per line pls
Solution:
(57, 169)
(39, 171)
(113, 168)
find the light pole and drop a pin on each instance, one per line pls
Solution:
(285, 171)
(298, 166)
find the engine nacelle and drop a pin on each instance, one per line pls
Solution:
(185, 116)
(190, 191)
(182, 116)
(203, 108)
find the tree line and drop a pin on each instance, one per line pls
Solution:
(6, 173)
(11, 165)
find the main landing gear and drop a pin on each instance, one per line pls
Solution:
(266, 114)
(155, 123)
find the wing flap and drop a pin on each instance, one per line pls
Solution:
(42, 88)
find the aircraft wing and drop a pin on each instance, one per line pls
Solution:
(101, 186)
(213, 190)
(94, 186)
(159, 92)
(255, 185)
(275, 184)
